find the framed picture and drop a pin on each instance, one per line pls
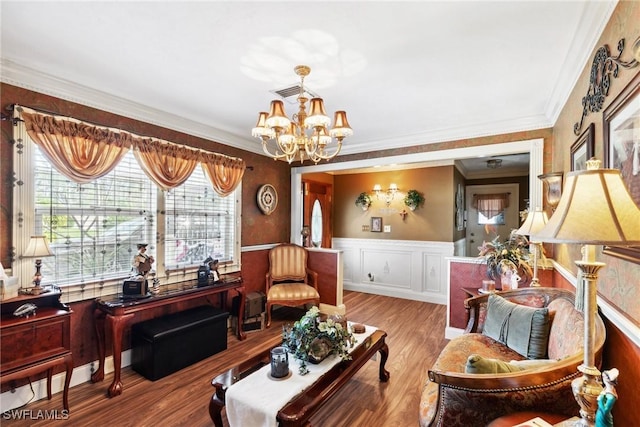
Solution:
(621, 126)
(582, 150)
(376, 224)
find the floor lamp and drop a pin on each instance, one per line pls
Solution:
(536, 220)
(595, 209)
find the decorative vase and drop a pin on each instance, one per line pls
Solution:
(505, 280)
(320, 349)
(412, 207)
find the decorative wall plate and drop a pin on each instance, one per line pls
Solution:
(267, 199)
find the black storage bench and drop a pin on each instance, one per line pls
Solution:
(167, 344)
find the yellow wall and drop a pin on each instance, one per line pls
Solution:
(434, 221)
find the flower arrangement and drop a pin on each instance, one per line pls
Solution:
(413, 199)
(311, 339)
(512, 255)
(364, 201)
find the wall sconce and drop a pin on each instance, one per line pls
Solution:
(388, 195)
(553, 185)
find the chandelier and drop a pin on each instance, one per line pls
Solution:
(307, 135)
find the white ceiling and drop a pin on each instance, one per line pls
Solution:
(407, 73)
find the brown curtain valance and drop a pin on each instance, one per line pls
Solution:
(80, 152)
(491, 205)
(225, 173)
(83, 152)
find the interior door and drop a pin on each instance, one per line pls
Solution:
(476, 231)
(317, 208)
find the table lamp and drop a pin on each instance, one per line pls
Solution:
(595, 209)
(536, 220)
(37, 248)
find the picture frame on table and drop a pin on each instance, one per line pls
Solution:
(376, 224)
(583, 149)
(621, 128)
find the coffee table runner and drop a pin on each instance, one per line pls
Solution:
(256, 400)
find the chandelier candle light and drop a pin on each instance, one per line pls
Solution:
(290, 136)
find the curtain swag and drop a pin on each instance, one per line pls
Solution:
(491, 205)
(83, 152)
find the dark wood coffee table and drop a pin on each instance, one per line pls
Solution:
(300, 409)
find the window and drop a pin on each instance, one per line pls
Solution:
(93, 229)
(199, 224)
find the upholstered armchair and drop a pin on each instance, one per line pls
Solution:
(451, 397)
(289, 281)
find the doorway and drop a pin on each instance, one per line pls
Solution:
(317, 208)
(478, 224)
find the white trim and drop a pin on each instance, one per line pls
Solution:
(412, 269)
(81, 374)
(451, 333)
(533, 146)
(37, 81)
(254, 248)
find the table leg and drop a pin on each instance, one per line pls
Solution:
(241, 334)
(49, 374)
(117, 324)
(68, 360)
(215, 407)
(384, 354)
(98, 317)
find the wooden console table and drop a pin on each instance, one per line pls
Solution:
(38, 343)
(118, 312)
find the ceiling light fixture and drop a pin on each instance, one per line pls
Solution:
(494, 163)
(290, 136)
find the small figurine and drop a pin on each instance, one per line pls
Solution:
(141, 261)
(213, 271)
(607, 398)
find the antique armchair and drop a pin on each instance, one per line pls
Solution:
(289, 281)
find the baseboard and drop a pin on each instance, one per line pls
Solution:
(451, 333)
(396, 293)
(19, 397)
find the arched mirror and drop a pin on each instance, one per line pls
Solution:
(316, 224)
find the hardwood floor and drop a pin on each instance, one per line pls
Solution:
(415, 338)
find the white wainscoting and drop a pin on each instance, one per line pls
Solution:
(407, 269)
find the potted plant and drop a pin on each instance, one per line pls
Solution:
(506, 258)
(311, 339)
(364, 201)
(413, 199)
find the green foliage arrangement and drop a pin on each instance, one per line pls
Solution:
(363, 201)
(413, 199)
(311, 339)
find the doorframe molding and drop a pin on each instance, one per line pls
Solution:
(535, 148)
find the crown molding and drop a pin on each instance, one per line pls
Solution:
(590, 27)
(34, 80)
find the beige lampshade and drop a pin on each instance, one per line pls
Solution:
(595, 208)
(536, 220)
(261, 128)
(317, 115)
(277, 117)
(37, 248)
(341, 126)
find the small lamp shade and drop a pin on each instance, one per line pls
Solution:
(38, 247)
(595, 208)
(536, 220)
